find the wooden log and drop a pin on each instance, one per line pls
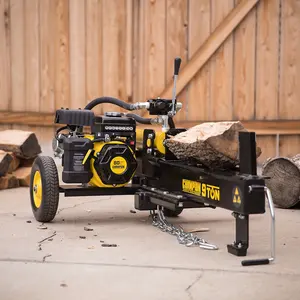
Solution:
(5, 160)
(23, 175)
(8, 182)
(23, 143)
(284, 181)
(27, 162)
(213, 144)
(14, 164)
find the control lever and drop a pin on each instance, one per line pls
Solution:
(177, 63)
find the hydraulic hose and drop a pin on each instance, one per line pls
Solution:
(111, 100)
(126, 106)
(139, 119)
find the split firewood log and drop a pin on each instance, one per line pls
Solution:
(8, 182)
(8, 162)
(27, 162)
(14, 164)
(213, 144)
(23, 176)
(23, 143)
(5, 161)
(284, 182)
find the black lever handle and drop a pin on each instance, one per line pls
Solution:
(255, 262)
(177, 63)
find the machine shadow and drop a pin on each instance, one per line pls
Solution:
(136, 219)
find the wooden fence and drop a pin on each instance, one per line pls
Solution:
(240, 61)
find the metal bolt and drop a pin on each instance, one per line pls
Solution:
(150, 136)
(149, 151)
(241, 217)
(35, 188)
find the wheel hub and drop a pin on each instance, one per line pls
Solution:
(37, 189)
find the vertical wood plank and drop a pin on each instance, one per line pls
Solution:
(94, 51)
(62, 66)
(141, 74)
(129, 50)
(221, 67)
(32, 67)
(289, 145)
(155, 62)
(268, 147)
(77, 53)
(176, 44)
(17, 55)
(267, 60)
(47, 59)
(5, 75)
(289, 103)
(137, 27)
(199, 88)
(114, 60)
(4, 127)
(244, 68)
(176, 36)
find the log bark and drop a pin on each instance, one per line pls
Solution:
(23, 143)
(5, 160)
(284, 181)
(27, 162)
(8, 182)
(213, 144)
(23, 176)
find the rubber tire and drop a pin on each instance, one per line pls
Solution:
(172, 213)
(50, 189)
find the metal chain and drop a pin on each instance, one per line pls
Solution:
(185, 238)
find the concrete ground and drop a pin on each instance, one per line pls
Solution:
(55, 263)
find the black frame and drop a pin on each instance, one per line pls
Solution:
(158, 181)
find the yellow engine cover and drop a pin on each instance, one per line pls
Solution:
(117, 166)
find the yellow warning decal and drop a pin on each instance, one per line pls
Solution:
(205, 190)
(118, 165)
(191, 187)
(236, 196)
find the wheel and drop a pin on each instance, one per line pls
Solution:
(172, 213)
(44, 189)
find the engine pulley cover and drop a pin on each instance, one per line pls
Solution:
(115, 164)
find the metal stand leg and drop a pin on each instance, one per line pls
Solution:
(265, 261)
(240, 246)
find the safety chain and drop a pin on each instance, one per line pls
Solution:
(185, 238)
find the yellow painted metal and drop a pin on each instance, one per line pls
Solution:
(95, 180)
(37, 189)
(158, 142)
(87, 156)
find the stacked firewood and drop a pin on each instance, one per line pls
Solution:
(18, 149)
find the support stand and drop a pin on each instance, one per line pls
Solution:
(247, 150)
(240, 245)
